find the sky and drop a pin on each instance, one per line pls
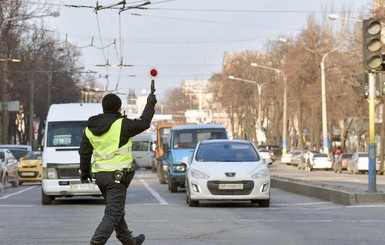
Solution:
(182, 39)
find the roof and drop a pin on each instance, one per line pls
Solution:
(73, 111)
(197, 126)
(170, 124)
(24, 147)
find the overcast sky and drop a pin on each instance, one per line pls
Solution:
(183, 39)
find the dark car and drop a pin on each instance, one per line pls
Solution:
(9, 168)
(342, 162)
(275, 151)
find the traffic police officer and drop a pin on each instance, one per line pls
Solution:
(107, 138)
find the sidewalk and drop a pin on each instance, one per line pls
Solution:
(344, 188)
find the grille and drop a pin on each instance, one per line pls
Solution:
(68, 173)
(247, 187)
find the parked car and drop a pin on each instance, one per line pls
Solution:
(359, 163)
(30, 167)
(275, 151)
(17, 150)
(290, 157)
(227, 170)
(342, 162)
(320, 161)
(265, 155)
(301, 159)
(9, 168)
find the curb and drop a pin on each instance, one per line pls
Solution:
(335, 194)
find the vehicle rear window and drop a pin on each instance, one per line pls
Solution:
(140, 145)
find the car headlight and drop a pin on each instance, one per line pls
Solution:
(263, 173)
(198, 174)
(52, 173)
(179, 168)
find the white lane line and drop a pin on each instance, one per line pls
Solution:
(16, 193)
(154, 193)
(302, 204)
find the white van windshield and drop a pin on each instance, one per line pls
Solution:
(63, 134)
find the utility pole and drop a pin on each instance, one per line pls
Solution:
(4, 104)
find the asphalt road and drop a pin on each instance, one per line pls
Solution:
(166, 219)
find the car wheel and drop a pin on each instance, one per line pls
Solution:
(172, 187)
(45, 199)
(264, 203)
(15, 183)
(5, 182)
(160, 176)
(192, 203)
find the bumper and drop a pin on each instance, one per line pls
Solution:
(178, 179)
(199, 190)
(29, 174)
(69, 187)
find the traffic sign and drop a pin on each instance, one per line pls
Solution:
(153, 72)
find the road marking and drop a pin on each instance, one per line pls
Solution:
(154, 193)
(16, 193)
(312, 221)
(302, 204)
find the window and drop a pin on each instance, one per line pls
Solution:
(62, 134)
(189, 138)
(140, 146)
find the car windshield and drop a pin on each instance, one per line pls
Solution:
(190, 138)
(320, 155)
(33, 155)
(346, 155)
(227, 152)
(18, 153)
(363, 155)
(61, 134)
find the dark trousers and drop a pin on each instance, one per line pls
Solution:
(113, 220)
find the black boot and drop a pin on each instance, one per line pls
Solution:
(135, 240)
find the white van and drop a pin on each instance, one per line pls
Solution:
(143, 150)
(64, 129)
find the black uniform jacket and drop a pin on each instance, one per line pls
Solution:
(101, 123)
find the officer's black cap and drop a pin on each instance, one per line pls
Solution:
(111, 103)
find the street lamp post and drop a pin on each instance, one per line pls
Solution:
(284, 130)
(259, 87)
(325, 138)
(5, 99)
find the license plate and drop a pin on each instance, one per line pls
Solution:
(81, 187)
(27, 174)
(230, 186)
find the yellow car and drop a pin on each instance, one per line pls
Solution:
(30, 167)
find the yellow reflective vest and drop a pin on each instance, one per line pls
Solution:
(107, 154)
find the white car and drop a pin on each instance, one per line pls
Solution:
(320, 161)
(359, 162)
(288, 158)
(266, 156)
(227, 170)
